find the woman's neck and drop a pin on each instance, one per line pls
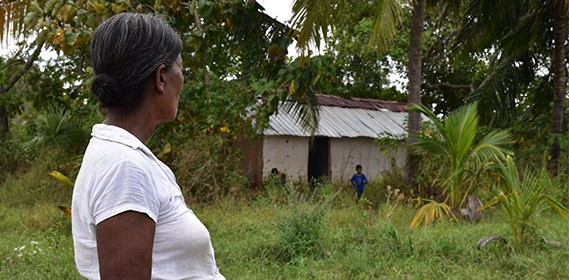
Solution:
(137, 123)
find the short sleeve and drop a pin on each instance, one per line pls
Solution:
(124, 187)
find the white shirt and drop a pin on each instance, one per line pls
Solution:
(119, 173)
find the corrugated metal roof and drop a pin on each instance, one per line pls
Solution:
(361, 103)
(338, 122)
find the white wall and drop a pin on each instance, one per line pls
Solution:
(346, 153)
(289, 154)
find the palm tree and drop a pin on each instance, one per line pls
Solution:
(520, 32)
(465, 153)
(523, 198)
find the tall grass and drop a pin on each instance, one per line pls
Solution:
(297, 232)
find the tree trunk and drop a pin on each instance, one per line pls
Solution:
(3, 122)
(199, 26)
(414, 88)
(559, 80)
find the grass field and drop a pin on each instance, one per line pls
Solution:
(268, 238)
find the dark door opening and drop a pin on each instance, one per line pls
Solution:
(319, 158)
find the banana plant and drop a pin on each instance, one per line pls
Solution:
(522, 199)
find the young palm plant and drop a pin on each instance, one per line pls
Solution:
(521, 199)
(465, 153)
(55, 127)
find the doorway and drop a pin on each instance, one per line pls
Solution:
(319, 158)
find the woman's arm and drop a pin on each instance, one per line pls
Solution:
(124, 246)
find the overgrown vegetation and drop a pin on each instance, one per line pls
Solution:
(296, 237)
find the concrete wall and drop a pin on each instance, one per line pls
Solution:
(346, 153)
(289, 154)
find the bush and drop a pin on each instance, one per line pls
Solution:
(207, 168)
(12, 159)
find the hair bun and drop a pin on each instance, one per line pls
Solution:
(106, 89)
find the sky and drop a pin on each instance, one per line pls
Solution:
(278, 9)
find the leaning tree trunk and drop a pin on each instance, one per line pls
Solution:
(414, 88)
(559, 80)
(4, 128)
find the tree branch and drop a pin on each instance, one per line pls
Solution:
(16, 77)
(198, 22)
(447, 85)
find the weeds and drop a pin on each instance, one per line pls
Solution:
(207, 169)
(394, 199)
(299, 228)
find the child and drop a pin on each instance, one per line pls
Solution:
(358, 181)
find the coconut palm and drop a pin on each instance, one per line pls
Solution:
(522, 199)
(523, 34)
(465, 152)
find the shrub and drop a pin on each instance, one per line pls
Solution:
(299, 231)
(207, 168)
(55, 128)
(12, 159)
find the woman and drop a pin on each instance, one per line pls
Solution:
(129, 217)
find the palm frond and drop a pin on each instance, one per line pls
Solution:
(461, 127)
(485, 21)
(430, 212)
(385, 27)
(431, 146)
(312, 20)
(12, 13)
(516, 31)
(429, 114)
(493, 145)
(305, 109)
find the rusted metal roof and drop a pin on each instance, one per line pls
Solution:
(341, 117)
(361, 103)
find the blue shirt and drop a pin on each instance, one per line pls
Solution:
(359, 180)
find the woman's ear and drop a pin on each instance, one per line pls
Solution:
(160, 78)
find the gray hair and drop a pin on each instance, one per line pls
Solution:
(126, 49)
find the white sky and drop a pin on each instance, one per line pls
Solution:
(279, 9)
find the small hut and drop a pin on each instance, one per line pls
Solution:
(346, 135)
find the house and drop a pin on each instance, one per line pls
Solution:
(346, 136)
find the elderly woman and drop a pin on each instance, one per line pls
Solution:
(129, 217)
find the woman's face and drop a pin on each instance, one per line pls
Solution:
(174, 87)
